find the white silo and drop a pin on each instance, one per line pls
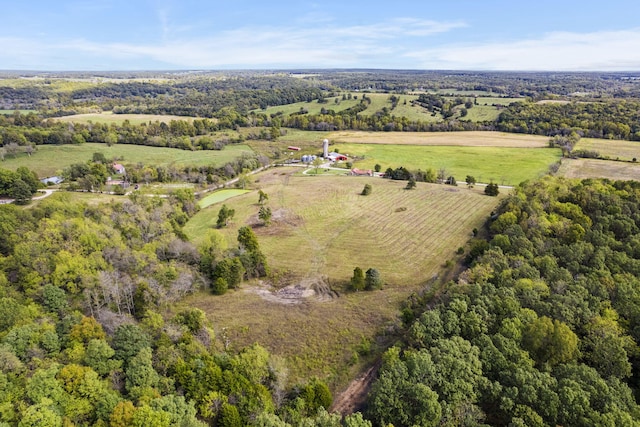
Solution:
(325, 148)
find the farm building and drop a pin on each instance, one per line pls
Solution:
(118, 168)
(336, 157)
(52, 180)
(361, 172)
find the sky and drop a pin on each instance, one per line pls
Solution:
(483, 35)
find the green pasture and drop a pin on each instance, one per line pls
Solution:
(220, 196)
(49, 160)
(312, 107)
(501, 165)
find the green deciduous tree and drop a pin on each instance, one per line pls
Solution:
(265, 215)
(224, 215)
(262, 197)
(491, 189)
(372, 279)
(411, 184)
(357, 280)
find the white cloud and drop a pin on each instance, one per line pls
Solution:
(306, 46)
(384, 45)
(558, 51)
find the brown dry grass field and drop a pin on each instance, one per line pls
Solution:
(593, 168)
(322, 229)
(108, 117)
(614, 149)
(467, 139)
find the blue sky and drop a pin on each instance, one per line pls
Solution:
(245, 34)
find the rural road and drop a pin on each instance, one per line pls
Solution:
(47, 193)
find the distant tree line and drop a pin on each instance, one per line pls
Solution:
(612, 119)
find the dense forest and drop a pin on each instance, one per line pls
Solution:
(541, 329)
(87, 335)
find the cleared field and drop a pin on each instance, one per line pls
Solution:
(508, 166)
(108, 117)
(220, 196)
(466, 139)
(322, 229)
(51, 159)
(593, 168)
(312, 107)
(10, 112)
(482, 113)
(614, 149)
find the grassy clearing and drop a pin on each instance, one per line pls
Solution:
(51, 159)
(593, 168)
(466, 139)
(501, 165)
(108, 118)
(614, 149)
(312, 107)
(220, 196)
(323, 227)
(10, 112)
(482, 113)
(91, 199)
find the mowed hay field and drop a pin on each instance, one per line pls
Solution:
(466, 139)
(108, 118)
(49, 160)
(322, 229)
(614, 149)
(594, 168)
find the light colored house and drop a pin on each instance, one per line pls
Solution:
(118, 168)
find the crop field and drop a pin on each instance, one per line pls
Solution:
(322, 228)
(465, 139)
(614, 149)
(49, 160)
(108, 117)
(594, 168)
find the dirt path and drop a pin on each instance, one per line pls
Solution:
(352, 399)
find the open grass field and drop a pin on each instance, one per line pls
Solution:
(505, 166)
(485, 110)
(594, 168)
(312, 107)
(108, 118)
(51, 159)
(614, 149)
(464, 139)
(220, 196)
(10, 112)
(322, 229)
